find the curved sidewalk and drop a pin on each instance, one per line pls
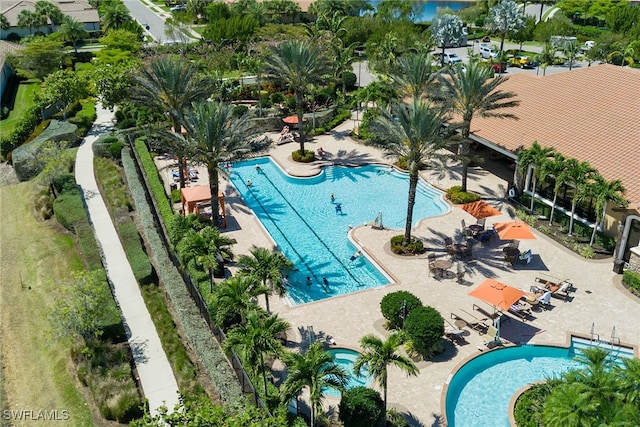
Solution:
(154, 371)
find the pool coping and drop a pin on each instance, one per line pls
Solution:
(567, 344)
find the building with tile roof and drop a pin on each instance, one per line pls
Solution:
(80, 10)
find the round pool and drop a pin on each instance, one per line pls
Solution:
(346, 358)
(479, 393)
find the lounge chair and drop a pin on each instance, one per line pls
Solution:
(525, 256)
(452, 333)
(477, 324)
(492, 337)
(558, 290)
(493, 316)
(521, 310)
(545, 300)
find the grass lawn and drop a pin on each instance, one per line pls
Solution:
(35, 260)
(24, 99)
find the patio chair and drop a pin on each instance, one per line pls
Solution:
(481, 222)
(492, 338)
(448, 241)
(477, 324)
(525, 256)
(521, 310)
(545, 300)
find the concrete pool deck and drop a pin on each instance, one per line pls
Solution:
(599, 299)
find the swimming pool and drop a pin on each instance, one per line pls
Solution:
(307, 226)
(345, 358)
(480, 391)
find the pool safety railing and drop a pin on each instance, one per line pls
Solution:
(360, 284)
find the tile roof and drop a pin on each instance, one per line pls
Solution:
(78, 9)
(8, 48)
(591, 114)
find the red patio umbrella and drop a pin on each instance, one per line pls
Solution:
(497, 294)
(514, 230)
(293, 120)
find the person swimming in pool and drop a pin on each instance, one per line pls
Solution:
(309, 282)
(248, 183)
(333, 198)
(355, 255)
(325, 281)
(338, 208)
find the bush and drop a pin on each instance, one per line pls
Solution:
(395, 418)
(157, 187)
(136, 255)
(526, 411)
(350, 79)
(414, 247)
(21, 131)
(339, 118)
(308, 157)
(239, 110)
(361, 407)
(291, 103)
(88, 246)
(424, 327)
(457, 196)
(392, 304)
(69, 209)
(265, 103)
(632, 279)
(278, 97)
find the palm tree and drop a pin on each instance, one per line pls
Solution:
(535, 157)
(170, 86)
(207, 248)
(72, 31)
(50, 13)
(577, 174)
(571, 51)
(546, 57)
(605, 191)
(215, 137)
(299, 64)
(267, 266)
(342, 60)
(115, 15)
(234, 299)
(181, 225)
(257, 340)
(314, 369)
(414, 73)
(412, 131)
(26, 18)
(556, 168)
(378, 355)
(4, 22)
(471, 93)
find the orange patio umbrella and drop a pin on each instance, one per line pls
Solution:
(514, 230)
(480, 209)
(293, 120)
(497, 294)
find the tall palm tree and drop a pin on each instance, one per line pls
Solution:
(215, 137)
(234, 299)
(72, 31)
(4, 22)
(314, 369)
(26, 18)
(257, 340)
(571, 52)
(299, 63)
(475, 93)
(267, 266)
(414, 73)
(342, 58)
(577, 174)
(535, 157)
(605, 191)
(170, 86)
(556, 167)
(181, 225)
(207, 248)
(413, 131)
(378, 355)
(115, 15)
(50, 13)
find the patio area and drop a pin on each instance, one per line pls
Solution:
(598, 297)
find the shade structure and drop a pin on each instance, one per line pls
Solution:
(293, 120)
(480, 209)
(191, 196)
(514, 230)
(497, 294)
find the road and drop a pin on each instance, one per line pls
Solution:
(158, 29)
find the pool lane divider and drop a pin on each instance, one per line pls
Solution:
(360, 284)
(284, 236)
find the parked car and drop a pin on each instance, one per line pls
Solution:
(451, 58)
(178, 8)
(487, 51)
(521, 61)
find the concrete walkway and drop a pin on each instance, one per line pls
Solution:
(154, 371)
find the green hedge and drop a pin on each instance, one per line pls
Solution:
(632, 279)
(157, 187)
(308, 157)
(88, 246)
(31, 118)
(457, 196)
(197, 333)
(69, 209)
(136, 255)
(391, 307)
(425, 328)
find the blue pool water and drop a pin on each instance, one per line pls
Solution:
(302, 219)
(345, 358)
(479, 393)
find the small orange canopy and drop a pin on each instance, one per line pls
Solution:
(480, 209)
(514, 230)
(293, 120)
(191, 196)
(497, 294)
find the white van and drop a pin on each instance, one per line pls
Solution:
(561, 42)
(487, 51)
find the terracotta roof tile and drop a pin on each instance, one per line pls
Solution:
(591, 114)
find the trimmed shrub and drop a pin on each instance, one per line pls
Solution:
(457, 196)
(136, 255)
(526, 411)
(88, 246)
(425, 328)
(69, 209)
(308, 157)
(361, 407)
(391, 307)
(291, 103)
(350, 79)
(278, 97)
(157, 187)
(31, 118)
(414, 247)
(632, 279)
(239, 110)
